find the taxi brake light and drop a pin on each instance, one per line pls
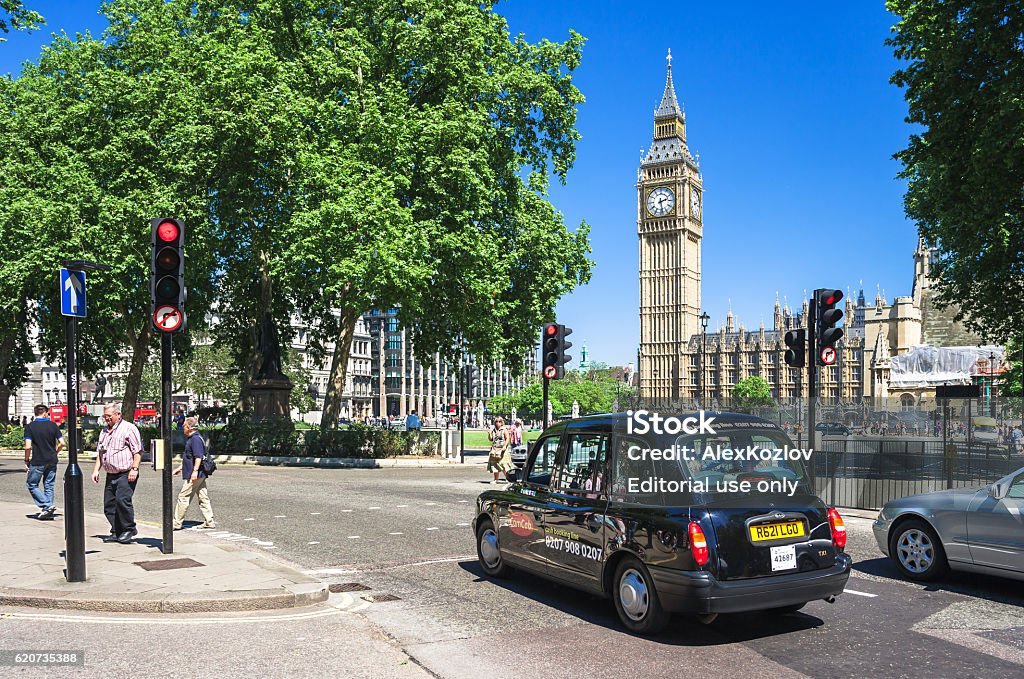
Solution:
(698, 544)
(838, 528)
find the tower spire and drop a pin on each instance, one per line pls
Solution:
(669, 104)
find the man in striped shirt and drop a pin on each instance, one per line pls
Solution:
(119, 454)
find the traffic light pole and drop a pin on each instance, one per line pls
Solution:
(544, 412)
(812, 377)
(74, 503)
(462, 415)
(167, 546)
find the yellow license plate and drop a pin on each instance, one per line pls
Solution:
(777, 531)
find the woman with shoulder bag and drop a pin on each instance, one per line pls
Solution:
(500, 457)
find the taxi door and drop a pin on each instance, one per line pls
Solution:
(521, 532)
(574, 519)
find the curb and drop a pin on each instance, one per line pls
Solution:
(201, 602)
(323, 462)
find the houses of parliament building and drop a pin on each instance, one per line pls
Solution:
(670, 222)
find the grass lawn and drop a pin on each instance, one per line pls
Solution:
(478, 439)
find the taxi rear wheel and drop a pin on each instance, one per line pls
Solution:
(636, 600)
(488, 552)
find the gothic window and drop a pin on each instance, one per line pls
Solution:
(906, 402)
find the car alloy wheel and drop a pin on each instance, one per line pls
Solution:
(917, 551)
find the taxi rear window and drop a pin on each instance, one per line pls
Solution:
(681, 470)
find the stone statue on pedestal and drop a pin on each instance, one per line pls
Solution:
(271, 389)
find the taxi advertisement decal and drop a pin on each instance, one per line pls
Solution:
(567, 542)
(521, 524)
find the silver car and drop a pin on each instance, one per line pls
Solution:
(980, 530)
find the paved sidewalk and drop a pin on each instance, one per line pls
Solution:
(218, 577)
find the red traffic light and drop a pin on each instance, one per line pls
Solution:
(830, 297)
(168, 231)
(551, 329)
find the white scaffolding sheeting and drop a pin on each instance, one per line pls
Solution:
(931, 366)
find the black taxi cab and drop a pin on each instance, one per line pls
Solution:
(720, 520)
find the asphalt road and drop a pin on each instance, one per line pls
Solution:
(405, 533)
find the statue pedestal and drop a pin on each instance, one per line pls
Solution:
(270, 398)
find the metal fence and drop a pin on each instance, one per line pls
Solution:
(865, 473)
(870, 451)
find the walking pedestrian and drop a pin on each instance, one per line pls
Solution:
(499, 458)
(43, 441)
(119, 453)
(194, 479)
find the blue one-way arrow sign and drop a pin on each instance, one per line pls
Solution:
(72, 293)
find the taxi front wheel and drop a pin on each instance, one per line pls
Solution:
(487, 551)
(636, 600)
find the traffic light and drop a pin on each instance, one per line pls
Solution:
(796, 340)
(553, 345)
(471, 378)
(167, 275)
(563, 344)
(827, 333)
(549, 350)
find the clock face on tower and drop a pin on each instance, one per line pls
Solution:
(660, 201)
(695, 203)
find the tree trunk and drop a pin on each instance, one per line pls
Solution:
(255, 359)
(339, 368)
(9, 352)
(140, 352)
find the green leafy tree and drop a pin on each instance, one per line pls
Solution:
(14, 15)
(752, 392)
(965, 169)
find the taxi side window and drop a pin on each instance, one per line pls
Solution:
(543, 461)
(629, 473)
(584, 468)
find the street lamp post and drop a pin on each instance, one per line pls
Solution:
(704, 318)
(991, 385)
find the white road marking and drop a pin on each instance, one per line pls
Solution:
(462, 524)
(346, 510)
(401, 505)
(463, 500)
(431, 504)
(853, 591)
(54, 617)
(315, 542)
(280, 516)
(373, 507)
(314, 513)
(353, 537)
(250, 519)
(968, 639)
(432, 561)
(395, 533)
(434, 528)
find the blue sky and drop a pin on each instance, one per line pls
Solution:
(790, 109)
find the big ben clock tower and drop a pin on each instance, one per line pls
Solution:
(669, 223)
